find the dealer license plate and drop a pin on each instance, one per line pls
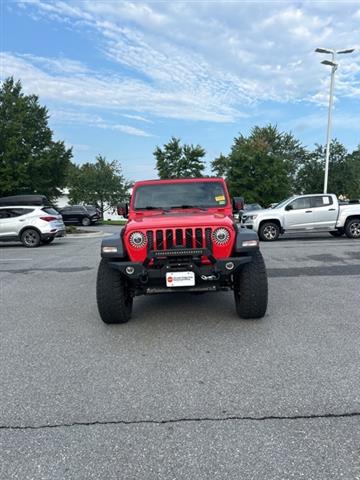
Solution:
(180, 279)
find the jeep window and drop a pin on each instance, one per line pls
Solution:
(181, 195)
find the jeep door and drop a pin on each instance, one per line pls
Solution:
(325, 213)
(298, 214)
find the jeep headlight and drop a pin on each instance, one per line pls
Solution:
(137, 240)
(221, 236)
(252, 217)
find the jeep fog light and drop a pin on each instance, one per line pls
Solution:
(129, 270)
(250, 243)
(109, 249)
(229, 265)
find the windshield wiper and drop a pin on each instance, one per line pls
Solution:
(189, 206)
(165, 209)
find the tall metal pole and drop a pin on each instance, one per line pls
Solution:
(328, 133)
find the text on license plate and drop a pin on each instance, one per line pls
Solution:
(180, 279)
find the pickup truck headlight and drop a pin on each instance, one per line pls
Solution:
(221, 236)
(137, 240)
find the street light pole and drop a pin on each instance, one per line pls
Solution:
(328, 132)
(334, 65)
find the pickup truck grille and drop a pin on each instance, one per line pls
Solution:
(167, 239)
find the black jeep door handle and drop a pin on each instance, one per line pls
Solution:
(308, 211)
(331, 209)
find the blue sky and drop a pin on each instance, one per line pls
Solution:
(121, 77)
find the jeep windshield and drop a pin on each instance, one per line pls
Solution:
(182, 195)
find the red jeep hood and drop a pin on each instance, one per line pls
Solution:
(178, 220)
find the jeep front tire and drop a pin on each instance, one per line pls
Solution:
(251, 288)
(113, 296)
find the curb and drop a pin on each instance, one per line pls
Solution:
(96, 234)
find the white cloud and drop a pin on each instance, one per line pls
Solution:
(66, 117)
(117, 93)
(207, 61)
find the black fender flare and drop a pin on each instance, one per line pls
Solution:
(115, 241)
(244, 234)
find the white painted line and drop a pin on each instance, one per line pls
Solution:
(16, 260)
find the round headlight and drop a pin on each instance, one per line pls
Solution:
(137, 240)
(221, 236)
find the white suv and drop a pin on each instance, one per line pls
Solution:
(32, 225)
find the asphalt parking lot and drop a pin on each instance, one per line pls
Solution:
(185, 390)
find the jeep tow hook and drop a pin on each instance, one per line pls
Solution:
(210, 278)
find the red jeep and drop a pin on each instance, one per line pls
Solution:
(180, 236)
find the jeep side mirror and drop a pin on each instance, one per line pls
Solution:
(288, 207)
(238, 204)
(123, 210)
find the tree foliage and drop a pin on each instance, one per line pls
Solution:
(261, 167)
(101, 183)
(179, 161)
(30, 160)
(344, 171)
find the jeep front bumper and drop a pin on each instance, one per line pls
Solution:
(150, 276)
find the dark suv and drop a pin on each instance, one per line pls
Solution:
(79, 214)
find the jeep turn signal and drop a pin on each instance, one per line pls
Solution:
(250, 243)
(109, 249)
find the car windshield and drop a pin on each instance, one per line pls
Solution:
(180, 195)
(282, 203)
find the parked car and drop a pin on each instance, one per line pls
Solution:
(79, 214)
(252, 206)
(31, 225)
(93, 209)
(305, 213)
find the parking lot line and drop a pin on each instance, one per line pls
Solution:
(16, 260)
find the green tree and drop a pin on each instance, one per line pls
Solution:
(344, 171)
(30, 160)
(262, 166)
(220, 165)
(101, 183)
(177, 161)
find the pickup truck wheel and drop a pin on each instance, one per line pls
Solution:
(337, 233)
(269, 231)
(352, 228)
(113, 296)
(251, 289)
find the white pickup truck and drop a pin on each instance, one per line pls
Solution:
(305, 213)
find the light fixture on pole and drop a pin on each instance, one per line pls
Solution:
(334, 65)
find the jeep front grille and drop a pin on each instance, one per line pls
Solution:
(175, 238)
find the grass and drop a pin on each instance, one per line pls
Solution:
(112, 222)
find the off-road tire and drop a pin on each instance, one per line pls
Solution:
(269, 231)
(30, 238)
(337, 233)
(112, 293)
(47, 241)
(85, 222)
(352, 228)
(251, 289)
